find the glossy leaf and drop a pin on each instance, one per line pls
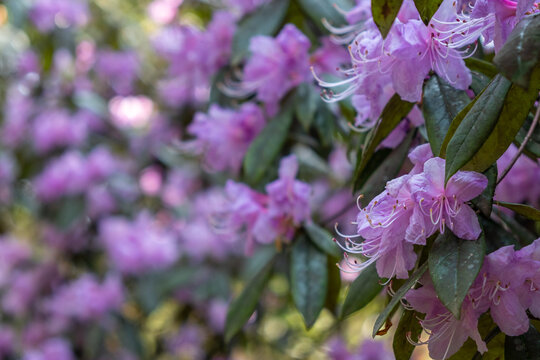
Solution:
(318, 10)
(241, 309)
(521, 52)
(361, 291)
(400, 293)
(267, 145)
(394, 111)
(476, 126)
(513, 114)
(427, 8)
(484, 201)
(384, 12)
(309, 279)
(453, 266)
(526, 346)
(408, 325)
(481, 66)
(258, 23)
(442, 103)
(522, 209)
(322, 239)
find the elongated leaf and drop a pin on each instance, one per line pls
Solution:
(476, 126)
(427, 8)
(526, 346)
(496, 236)
(394, 111)
(481, 66)
(244, 305)
(306, 101)
(521, 52)
(323, 239)
(484, 201)
(309, 279)
(513, 114)
(318, 10)
(522, 235)
(400, 293)
(258, 23)
(362, 290)
(387, 170)
(267, 145)
(373, 164)
(408, 324)
(521, 209)
(453, 266)
(442, 103)
(334, 285)
(384, 12)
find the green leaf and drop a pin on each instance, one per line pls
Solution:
(258, 23)
(476, 126)
(323, 239)
(267, 145)
(318, 10)
(484, 201)
(243, 306)
(334, 285)
(453, 266)
(373, 164)
(513, 114)
(400, 293)
(521, 52)
(526, 346)
(325, 124)
(427, 8)
(130, 337)
(309, 279)
(394, 111)
(481, 66)
(442, 103)
(362, 290)
(496, 236)
(522, 235)
(306, 101)
(532, 149)
(384, 12)
(408, 324)
(521, 209)
(388, 170)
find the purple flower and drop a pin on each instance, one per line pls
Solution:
(55, 128)
(224, 135)
(446, 333)
(47, 14)
(51, 349)
(243, 7)
(138, 246)
(329, 57)
(275, 67)
(118, 69)
(439, 206)
(85, 299)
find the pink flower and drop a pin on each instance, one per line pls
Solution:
(446, 333)
(440, 206)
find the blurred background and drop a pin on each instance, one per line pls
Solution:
(110, 244)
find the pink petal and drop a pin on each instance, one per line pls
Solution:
(466, 185)
(465, 224)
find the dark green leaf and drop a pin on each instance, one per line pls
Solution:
(131, 338)
(496, 236)
(427, 8)
(387, 170)
(521, 209)
(362, 290)
(400, 293)
(408, 324)
(323, 239)
(513, 114)
(479, 82)
(267, 145)
(526, 346)
(523, 236)
(256, 262)
(521, 52)
(532, 149)
(484, 201)
(325, 124)
(334, 285)
(476, 126)
(453, 266)
(481, 66)
(373, 164)
(306, 101)
(442, 103)
(243, 306)
(309, 279)
(394, 111)
(318, 10)
(384, 12)
(258, 23)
